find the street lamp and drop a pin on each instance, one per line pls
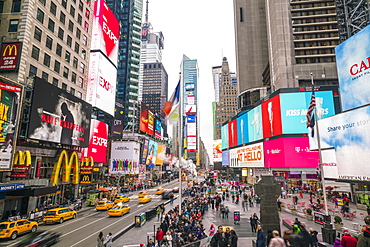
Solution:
(181, 164)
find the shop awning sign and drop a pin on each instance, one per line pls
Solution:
(9, 187)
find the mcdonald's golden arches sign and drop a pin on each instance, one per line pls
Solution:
(9, 56)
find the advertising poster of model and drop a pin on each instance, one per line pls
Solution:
(57, 116)
(124, 158)
(9, 108)
(217, 150)
(152, 154)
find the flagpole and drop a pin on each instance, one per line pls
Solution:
(180, 144)
(320, 154)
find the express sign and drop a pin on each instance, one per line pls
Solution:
(98, 141)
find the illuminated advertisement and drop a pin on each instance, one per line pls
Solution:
(161, 154)
(124, 158)
(152, 154)
(191, 99)
(247, 156)
(117, 122)
(242, 129)
(189, 86)
(101, 87)
(225, 136)
(98, 141)
(145, 152)
(349, 134)
(144, 118)
(255, 124)
(145, 31)
(57, 116)
(191, 129)
(290, 152)
(190, 109)
(353, 64)
(294, 115)
(233, 134)
(192, 143)
(105, 32)
(150, 130)
(9, 105)
(329, 163)
(190, 119)
(225, 158)
(217, 150)
(9, 56)
(158, 129)
(271, 117)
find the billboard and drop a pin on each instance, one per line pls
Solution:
(124, 158)
(294, 115)
(9, 56)
(353, 65)
(101, 87)
(117, 122)
(150, 129)
(189, 86)
(105, 32)
(191, 99)
(225, 158)
(57, 116)
(190, 109)
(152, 154)
(271, 117)
(192, 143)
(233, 134)
(145, 31)
(158, 129)
(191, 129)
(225, 136)
(255, 124)
(247, 156)
(190, 119)
(217, 150)
(161, 154)
(144, 118)
(9, 108)
(145, 152)
(242, 130)
(98, 141)
(290, 152)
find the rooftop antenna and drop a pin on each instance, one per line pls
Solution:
(146, 12)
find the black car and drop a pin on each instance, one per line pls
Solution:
(167, 194)
(41, 239)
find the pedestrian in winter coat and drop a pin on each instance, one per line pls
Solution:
(216, 237)
(159, 236)
(233, 239)
(364, 238)
(169, 239)
(253, 221)
(100, 240)
(109, 240)
(223, 241)
(348, 240)
(276, 240)
(315, 241)
(306, 240)
(261, 237)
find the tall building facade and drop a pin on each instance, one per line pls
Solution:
(129, 14)
(297, 38)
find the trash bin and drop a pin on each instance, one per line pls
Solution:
(236, 217)
(140, 220)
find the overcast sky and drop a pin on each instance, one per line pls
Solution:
(202, 30)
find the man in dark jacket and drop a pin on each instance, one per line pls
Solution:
(216, 237)
(261, 237)
(306, 239)
(364, 238)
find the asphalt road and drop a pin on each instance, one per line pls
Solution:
(84, 230)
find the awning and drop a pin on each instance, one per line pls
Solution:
(39, 191)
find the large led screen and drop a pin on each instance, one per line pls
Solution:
(225, 136)
(98, 141)
(191, 109)
(192, 143)
(255, 124)
(152, 154)
(144, 152)
(101, 87)
(247, 156)
(161, 154)
(353, 66)
(57, 116)
(158, 129)
(150, 130)
(233, 133)
(105, 32)
(294, 109)
(191, 129)
(271, 117)
(290, 152)
(217, 150)
(225, 158)
(124, 158)
(144, 118)
(242, 129)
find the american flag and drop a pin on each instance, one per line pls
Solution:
(310, 111)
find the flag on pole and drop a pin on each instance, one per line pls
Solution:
(311, 112)
(171, 108)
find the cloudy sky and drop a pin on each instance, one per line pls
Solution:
(202, 30)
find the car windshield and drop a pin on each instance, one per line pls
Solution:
(116, 207)
(101, 203)
(51, 212)
(3, 226)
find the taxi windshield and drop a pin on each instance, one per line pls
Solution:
(117, 207)
(101, 203)
(3, 226)
(51, 212)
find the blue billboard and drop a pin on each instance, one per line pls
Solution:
(294, 109)
(190, 119)
(242, 123)
(255, 124)
(225, 158)
(225, 136)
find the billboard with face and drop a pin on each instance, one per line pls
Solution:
(124, 158)
(9, 105)
(353, 65)
(152, 154)
(242, 129)
(290, 152)
(233, 134)
(217, 150)
(271, 117)
(101, 87)
(57, 116)
(225, 136)
(98, 141)
(105, 32)
(255, 124)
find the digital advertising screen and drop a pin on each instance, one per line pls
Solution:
(190, 109)
(233, 133)
(150, 130)
(225, 158)
(290, 152)
(57, 116)
(192, 143)
(98, 141)
(145, 152)
(189, 86)
(242, 129)
(158, 129)
(255, 124)
(190, 119)
(271, 117)
(105, 32)
(117, 122)
(152, 154)
(161, 154)
(144, 118)
(125, 158)
(191, 99)
(217, 150)
(225, 136)
(353, 69)
(191, 129)
(294, 115)
(101, 86)
(9, 56)
(247, 156)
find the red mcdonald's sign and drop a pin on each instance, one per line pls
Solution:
(9, 56)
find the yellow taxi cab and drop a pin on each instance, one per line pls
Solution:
(104, 205)
(159, 191)
(121, 198)
(13, 228)
(119, 210)
(144, 199)
(56, 215)
(143, 193)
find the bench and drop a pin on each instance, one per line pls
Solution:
(288, 224)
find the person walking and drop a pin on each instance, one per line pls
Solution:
(158, 211)
(211, 232)
(276, 240)
(226, 212)
(243, 205)
(306, 239)
(100, 240)
(364, 237)
(253, 221)
(159, 236)
(109, 240)
(348, 240)
(315, 241)
(169, 239)
(151, 243)
(222, 242)
(233, 239)
(215, 239)
(261, 237)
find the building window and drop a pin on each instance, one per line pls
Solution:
(43, 2)
(59, 49)
(78, 33)
(49, 42)
(65, 72)
(68, 57)
(70, 26)
(62, 17)
(87, 13)
(84, 39)
(35, 53)
(86, 26)
(1, 6)
(53, 8)
(69, 41)
(75, 62)
(64, 3)
(73, 77)
(77, 47)
(33, 71)
(47, 59)
(51, 25)
(241, 14)
(55, 81)
(82, 68)
(73, 91)
(79, 95)
(13, 26)
(80, 82)
(72, 11)
(16, 6)
(45, 76)
(83, 54)
(38, 34)
(79, 19)
(40, 16)
(61, 33)
(81, 6)
(64, 86)
(57, 66)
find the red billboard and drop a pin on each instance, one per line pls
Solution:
(9, 56)
(105, 33)
(233, 133)
(150, 130)
(98, 141)
(144, 118)
(271, 117)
